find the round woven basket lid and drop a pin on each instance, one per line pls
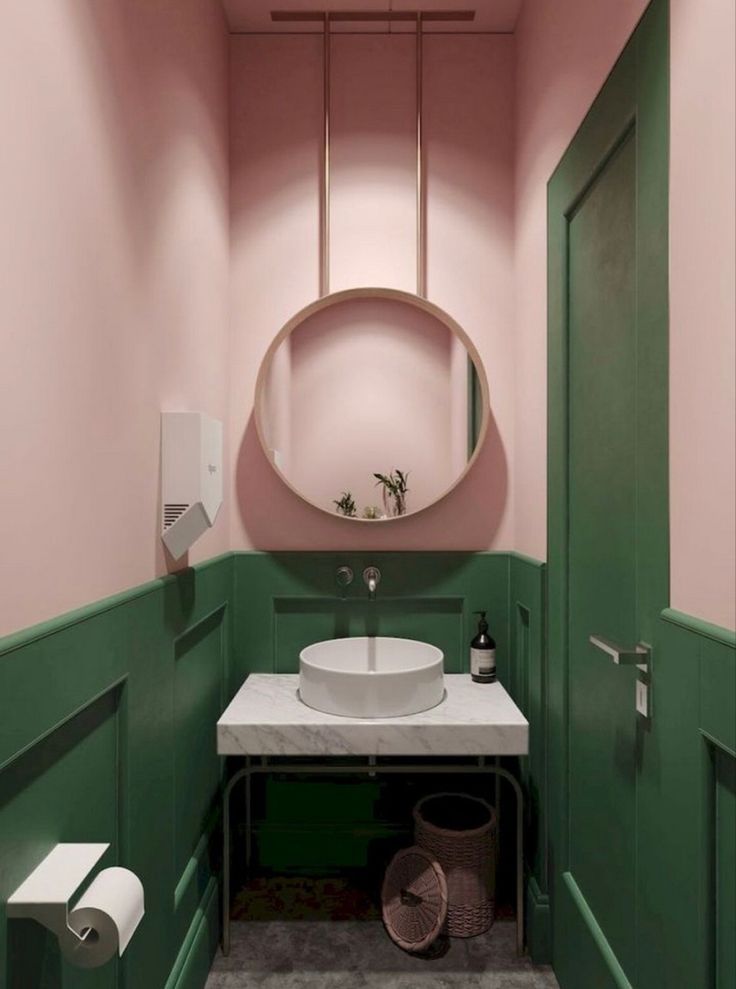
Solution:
(414, 899)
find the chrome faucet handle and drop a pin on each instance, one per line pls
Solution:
(344, 576)
(371, 578)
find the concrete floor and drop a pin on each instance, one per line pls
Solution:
(360, 955)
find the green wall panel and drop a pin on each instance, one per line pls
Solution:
(299, 621)
(199, 673)
(591, 962)
(723, 891)
(102, 712)
(284, 599)
(528, 686)
(69, 781)
(192, 965)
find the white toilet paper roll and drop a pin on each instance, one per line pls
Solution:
(104, 918)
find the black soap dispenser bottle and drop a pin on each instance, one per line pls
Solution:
(483, 653)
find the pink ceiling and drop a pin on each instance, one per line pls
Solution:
(255, 15)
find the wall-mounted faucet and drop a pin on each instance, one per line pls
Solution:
(344, 576)
(371, 579)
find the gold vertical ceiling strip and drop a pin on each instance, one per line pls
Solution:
(325, 204)
(421, 231)
(421, 198)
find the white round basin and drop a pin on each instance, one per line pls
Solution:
(368, 677)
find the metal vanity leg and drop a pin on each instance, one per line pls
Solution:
(497, 805)
(226, 870)
(226, 856)
(248, 818)
(519, 864)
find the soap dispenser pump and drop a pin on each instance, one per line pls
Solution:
(483, 653)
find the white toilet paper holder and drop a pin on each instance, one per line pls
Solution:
(45, 894)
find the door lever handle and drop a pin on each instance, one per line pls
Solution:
(621, 655)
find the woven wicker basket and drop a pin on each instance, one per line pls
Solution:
(414, 900)
(460, 832)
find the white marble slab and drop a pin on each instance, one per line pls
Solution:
(266, 717)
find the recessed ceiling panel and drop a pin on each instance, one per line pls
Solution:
(256, 15)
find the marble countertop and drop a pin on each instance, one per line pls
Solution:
(266, 717)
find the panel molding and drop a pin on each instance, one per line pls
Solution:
(700, 627)
(723, 868)
(527, 595)
(539, 923)
(218, 618)
(77, 712)
(604, 949)
(59, 623)
(198, 864)
(197, 949)
(210, 623)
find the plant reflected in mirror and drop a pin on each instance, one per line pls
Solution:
(346, 505)
(395, 489)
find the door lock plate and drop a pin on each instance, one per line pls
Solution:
(642, 698)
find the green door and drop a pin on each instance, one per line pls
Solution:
(608, 542)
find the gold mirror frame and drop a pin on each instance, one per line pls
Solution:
(393, 295)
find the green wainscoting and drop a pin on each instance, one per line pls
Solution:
(686, 909)
(107, 734)
(528, 685)
(694, 809)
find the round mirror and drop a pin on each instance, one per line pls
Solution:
(371, 404)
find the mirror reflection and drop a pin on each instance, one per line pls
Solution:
(371, 406)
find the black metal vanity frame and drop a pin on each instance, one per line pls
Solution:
(370, 768)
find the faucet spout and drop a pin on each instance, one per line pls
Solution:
(371, 579)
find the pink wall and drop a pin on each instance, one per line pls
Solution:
(113, 283)
(276, 103)
(114, 267)
(564, 53)
(703, 310)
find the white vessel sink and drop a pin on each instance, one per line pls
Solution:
(366, 677)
